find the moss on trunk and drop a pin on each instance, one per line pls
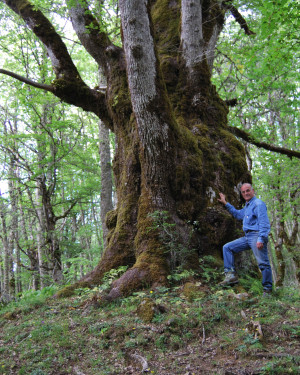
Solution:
(205, 159)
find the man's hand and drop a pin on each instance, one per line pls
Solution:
(222, 198)
(259, 245)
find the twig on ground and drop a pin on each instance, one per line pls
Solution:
(142, 361)
(203, 336)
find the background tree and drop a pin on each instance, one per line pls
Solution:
(50, 160)
(261, 80)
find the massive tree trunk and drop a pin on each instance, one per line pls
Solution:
(174, 152)
(174, 149)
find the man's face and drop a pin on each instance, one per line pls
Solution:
(247, 192)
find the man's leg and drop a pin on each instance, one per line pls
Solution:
(232, 248)
(229, 250)
(262, 260)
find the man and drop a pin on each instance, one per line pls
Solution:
(256, 226)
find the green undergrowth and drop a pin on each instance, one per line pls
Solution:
(208, 333)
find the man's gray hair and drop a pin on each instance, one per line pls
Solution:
(247, 183)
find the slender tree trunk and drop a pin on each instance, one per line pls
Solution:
(85, 242)
(28, 242)
(14, 229)
(292, 274)
(49, 228)
(74, 240)
(17, 239)
(95, 218)
(106, 170)
(9, 237)
(279, 230)
(42, 257)
(1, 272)
(6, 251)
(106, 177)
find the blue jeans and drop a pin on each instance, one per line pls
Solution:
(246, 243)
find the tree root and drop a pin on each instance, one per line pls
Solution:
(134, 279)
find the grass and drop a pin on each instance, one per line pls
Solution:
(206, 335)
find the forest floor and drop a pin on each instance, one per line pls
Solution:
(191, 328)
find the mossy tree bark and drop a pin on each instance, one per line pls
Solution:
(174, 148)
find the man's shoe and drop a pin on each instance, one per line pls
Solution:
(267, 293)
(230, 279)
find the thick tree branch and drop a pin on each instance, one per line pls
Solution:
(250, 139)
(68, 85)
(88, 31)
(27, 81)
(192, 38)
(214, 24)
(238, 17)
(61, 61)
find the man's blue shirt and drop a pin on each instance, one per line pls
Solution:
(254, 216)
